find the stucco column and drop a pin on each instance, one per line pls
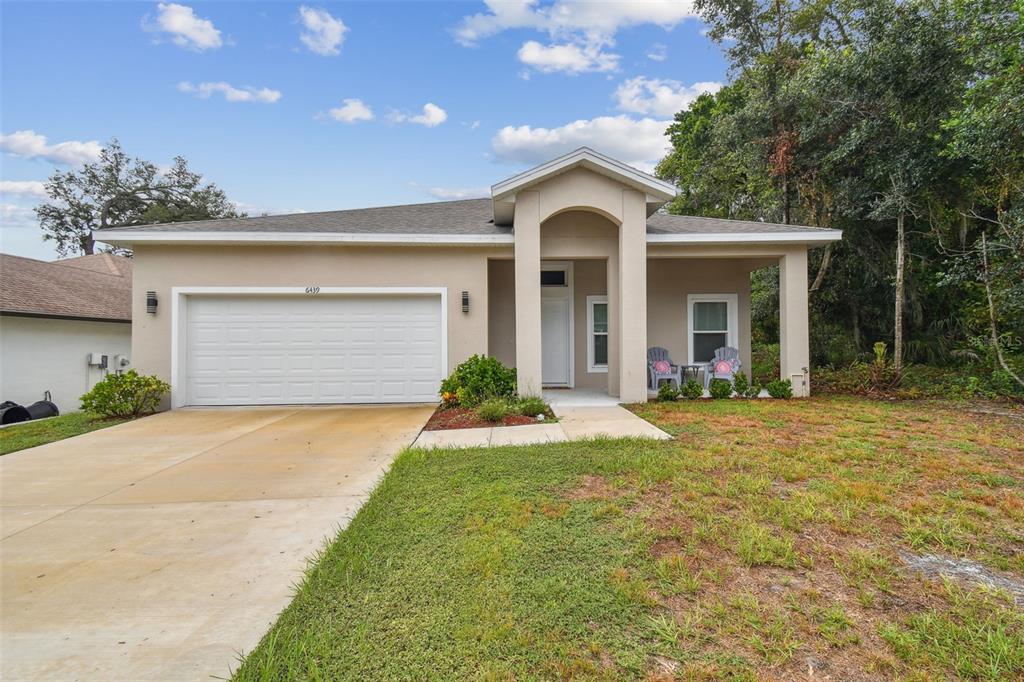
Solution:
(612, 285)
(526, 228)
(794, 346)
(633, 298)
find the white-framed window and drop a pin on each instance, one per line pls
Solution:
(597, 334)
(712, 321)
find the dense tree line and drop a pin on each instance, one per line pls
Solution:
(900, 122)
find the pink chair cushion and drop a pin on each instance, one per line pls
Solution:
(723, 367)
(662, 366)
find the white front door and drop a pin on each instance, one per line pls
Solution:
(556, 294)
(555, 340)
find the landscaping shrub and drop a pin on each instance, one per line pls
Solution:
(753, 391)
(919, 381)
(493, 409)
(780, 388)
(125, 395)
(668, 392)
(720, 388)
(531, 406)
(477, 379)
(884, 376)
(740, 384)
(691, 390)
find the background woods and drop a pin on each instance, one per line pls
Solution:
(899, 122)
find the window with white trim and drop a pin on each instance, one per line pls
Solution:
(597, 334)
(712, 322)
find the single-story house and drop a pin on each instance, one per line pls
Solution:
(568, 271)
(64, 325)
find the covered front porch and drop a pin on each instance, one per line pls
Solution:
(693, 304)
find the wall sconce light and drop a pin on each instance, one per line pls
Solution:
(465, 301)
(151, 302)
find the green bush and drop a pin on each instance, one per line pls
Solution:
(780, 388)
(477, 379)
(720, 388)
(493, 409)
(740, 384)
(753, 391)
(691, 390)
(668, 392)
(125, 395)
(531, 406)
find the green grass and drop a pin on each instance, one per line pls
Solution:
(767, 534)
(39, 432)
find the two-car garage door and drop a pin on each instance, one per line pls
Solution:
(272, 350)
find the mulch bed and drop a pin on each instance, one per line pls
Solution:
(466, 418)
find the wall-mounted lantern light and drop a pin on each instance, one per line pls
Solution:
(151, 302)
(465, 301)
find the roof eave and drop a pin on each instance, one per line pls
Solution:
(129, 238)
(817, 238)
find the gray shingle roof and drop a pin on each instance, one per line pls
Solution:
(663, 223)
(463, 217)
(94, 287)
(467, 216)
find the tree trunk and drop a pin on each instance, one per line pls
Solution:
(992, 315)
(897, 353)
(826, 259)
(855, 314)
(785, 198)
(87, 243)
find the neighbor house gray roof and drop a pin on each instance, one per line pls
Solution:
(463, 217)
(97, 287)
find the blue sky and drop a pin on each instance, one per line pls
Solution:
(320, 106)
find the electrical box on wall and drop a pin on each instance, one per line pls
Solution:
(121, 362)
(98, 360)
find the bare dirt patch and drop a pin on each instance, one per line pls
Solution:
(592, 487)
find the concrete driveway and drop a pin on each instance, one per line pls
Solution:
(164, 548)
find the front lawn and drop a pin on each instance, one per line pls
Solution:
(41, 431)
(769, 539)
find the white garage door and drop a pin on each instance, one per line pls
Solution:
(273, 350)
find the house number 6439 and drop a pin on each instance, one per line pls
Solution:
(312, 290)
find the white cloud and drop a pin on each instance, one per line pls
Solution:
(30, 145)
(451, 193)
(26, 188)
(323, 33)
(567, 17)
(657, 52)
(660, 97)
(640, 143)
(352, 110)
(185, 28)
(432, 115)
(569, 57)
(230, 92)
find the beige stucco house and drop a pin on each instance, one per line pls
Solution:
(568, 272)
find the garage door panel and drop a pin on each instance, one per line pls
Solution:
(328, 349)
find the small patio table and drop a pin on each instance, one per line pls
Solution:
(691, 371)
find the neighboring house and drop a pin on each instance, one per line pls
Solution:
(56, 322)
(567, 271)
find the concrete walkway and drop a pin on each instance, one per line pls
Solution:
(576, 421)
(163, 549)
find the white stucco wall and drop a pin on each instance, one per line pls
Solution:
(41, 354)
